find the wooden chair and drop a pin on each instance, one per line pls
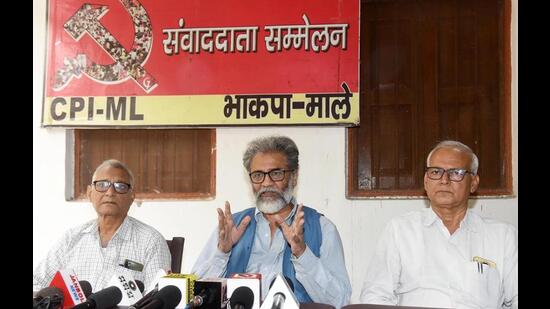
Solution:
(176, 250)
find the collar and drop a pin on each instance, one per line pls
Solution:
(470, 221)
(124, 230)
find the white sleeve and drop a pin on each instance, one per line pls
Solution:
(211, 262)
(510, 270)
(383, 274)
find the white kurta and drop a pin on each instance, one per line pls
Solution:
(418, 263)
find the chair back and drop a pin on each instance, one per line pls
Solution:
(176, 251)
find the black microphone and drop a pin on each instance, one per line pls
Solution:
(242, 298)
(167, 297)
(86, 287)
(145, 299)
(209, 293)
(279, 298)
(205, 297)
(48, 298)
(140, 285)
(106, 298)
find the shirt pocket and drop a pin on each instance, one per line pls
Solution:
(481, 286)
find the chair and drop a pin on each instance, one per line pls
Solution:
(176, 251)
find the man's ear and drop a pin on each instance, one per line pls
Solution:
(474, 184)
(294, 178)
(89, 192)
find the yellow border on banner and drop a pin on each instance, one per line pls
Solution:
(172, 111)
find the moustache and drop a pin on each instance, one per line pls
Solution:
(268, 189)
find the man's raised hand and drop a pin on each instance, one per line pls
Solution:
(228, 233)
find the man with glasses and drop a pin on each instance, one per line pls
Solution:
(278, 235)
(447, 255)
(113, 243)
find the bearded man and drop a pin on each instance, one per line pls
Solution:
(278, 236)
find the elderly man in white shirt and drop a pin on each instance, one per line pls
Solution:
(102, 247)
(446, 256)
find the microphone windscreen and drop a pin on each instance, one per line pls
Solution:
(86, 287)
(140, 285)
(107, 298)
(169, 295)
(50, 297)
(250, 280)
(184, 282)
(49, 291)
(145, 299)
(242, 295)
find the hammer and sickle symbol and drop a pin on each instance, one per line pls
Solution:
(127, 64)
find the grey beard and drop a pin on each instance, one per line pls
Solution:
(274, 206)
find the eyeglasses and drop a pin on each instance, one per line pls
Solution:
(104, 185)
(455, 174)
(275, 175)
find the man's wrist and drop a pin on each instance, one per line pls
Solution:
(297, 254)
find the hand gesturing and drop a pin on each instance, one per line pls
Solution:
(294, 233)
(228, 234)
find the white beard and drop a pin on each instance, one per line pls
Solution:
(269, 206)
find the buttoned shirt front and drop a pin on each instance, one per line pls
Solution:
(419, 263)
(80, 250)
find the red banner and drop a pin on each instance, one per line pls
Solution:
(189, 49)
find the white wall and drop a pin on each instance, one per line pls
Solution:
(321, 183)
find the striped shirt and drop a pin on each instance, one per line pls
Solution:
(80, 250)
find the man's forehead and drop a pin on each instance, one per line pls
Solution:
(450, 156)
(111, 171)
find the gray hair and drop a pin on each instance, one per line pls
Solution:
(266, 144)
(474, 162)
(116, 164)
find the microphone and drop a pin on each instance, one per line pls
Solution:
(200, 299)
(129, 288)
(67, 282)
(86, 287)
(251, 280)
(48, 298)
(167, 297)
(106, 298)
(145, 299)
(140, 285)
(279, 298)
(211, 292)
(184, 282)
(242, 298)
(280, 295)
